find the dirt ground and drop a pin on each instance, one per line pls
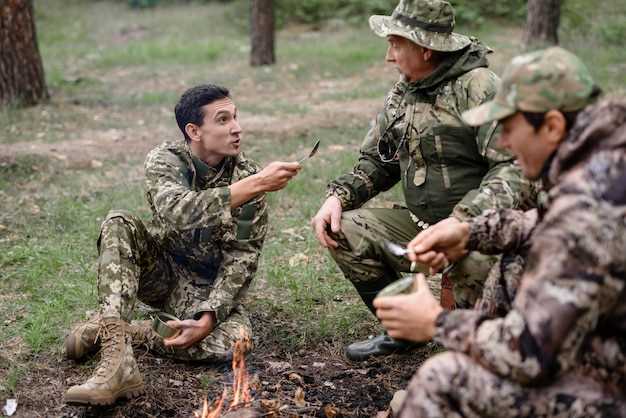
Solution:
(332, 386)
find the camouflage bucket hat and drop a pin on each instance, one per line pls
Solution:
(539, 81)
(428, 23)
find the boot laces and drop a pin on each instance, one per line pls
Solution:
(112, 334)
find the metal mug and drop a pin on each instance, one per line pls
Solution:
(399, 287)
(159, 325)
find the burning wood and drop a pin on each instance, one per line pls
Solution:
(241, 384)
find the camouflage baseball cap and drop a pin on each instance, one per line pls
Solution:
(539, 81)
(428, 23)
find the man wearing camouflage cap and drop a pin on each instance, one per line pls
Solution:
(548, 338)
(446, 167)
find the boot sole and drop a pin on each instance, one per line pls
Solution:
(127, 393)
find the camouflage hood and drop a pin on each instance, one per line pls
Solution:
(454, 65)
(599, 127)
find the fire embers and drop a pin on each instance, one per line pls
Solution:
(241, 397)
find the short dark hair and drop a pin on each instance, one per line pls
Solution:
(189, 106)
(536, 118)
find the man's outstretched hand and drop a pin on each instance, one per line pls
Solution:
(442, 243)
(276, 175)
(410, 317)
(273, 177)
(329, 214)
(191, 331)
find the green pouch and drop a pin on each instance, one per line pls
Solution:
(244, 222)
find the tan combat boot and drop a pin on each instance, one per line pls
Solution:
(116, 374)
(83, 339)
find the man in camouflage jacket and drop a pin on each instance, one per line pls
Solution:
(194, 261)
(548, 338)
(446, 168)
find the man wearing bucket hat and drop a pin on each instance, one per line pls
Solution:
(548, 338)
(446, 168)
(195, 260)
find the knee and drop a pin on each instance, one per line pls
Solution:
(120, 220)
(438, 374)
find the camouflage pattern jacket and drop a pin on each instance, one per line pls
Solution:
(419, 138)
(217, 246)
(557, 303)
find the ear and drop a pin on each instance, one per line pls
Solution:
(192, 131)
(427, 54)
(554, 127)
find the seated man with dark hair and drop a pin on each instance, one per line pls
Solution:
(196, 258)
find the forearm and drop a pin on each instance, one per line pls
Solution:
(499, 231)
(244, 190)
(231, 286)
(365, 181)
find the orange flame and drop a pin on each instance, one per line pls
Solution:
(241, 383)
(241, 390)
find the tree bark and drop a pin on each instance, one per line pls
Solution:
(262, 33)
(542, 23)
(22, 79)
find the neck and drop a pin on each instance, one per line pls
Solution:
(212, 160)
(422, 74)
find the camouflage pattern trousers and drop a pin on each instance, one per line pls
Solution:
(132, 266)
(368, 264)
(452, 385)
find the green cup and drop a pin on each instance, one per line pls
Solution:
(159, 325)
(399, 287)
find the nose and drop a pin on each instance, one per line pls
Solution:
(236, 128)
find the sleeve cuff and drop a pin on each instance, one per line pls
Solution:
(476, 231)
(340, 193)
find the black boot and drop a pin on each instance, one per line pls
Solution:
(380, 345)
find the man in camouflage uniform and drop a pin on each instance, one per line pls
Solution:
(549, 336)
(194, 261)
(446, 167)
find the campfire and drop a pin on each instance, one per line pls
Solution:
(241, 397)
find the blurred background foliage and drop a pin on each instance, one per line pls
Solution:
(575, 14)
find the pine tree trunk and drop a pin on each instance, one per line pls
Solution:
(262, 33)
(542, 23)
(22, 79)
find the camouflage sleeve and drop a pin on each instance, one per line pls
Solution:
(174, 200)
(239, 265)
(504, 185)
(371, 175)
(497, 231)
(574, 275)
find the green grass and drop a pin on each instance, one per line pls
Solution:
(171, 51)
